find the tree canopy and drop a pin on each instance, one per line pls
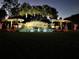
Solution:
(15, 9)
(2, 14)
(11, 6)
(43, 10)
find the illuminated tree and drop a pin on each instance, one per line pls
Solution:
(44, 10)
(50, 11)
(8, 5)
(25, 7)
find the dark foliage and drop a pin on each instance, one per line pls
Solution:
(11, 6)
(2, 14)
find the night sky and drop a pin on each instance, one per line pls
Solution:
(64, 7)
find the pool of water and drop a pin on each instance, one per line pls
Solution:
(36, 30)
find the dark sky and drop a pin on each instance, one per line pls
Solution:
(64, 7)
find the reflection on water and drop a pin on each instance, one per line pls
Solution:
(36, 30)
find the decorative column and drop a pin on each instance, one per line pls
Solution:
(60, 25)
(65, 27)
(75, 27)
(11, 24)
